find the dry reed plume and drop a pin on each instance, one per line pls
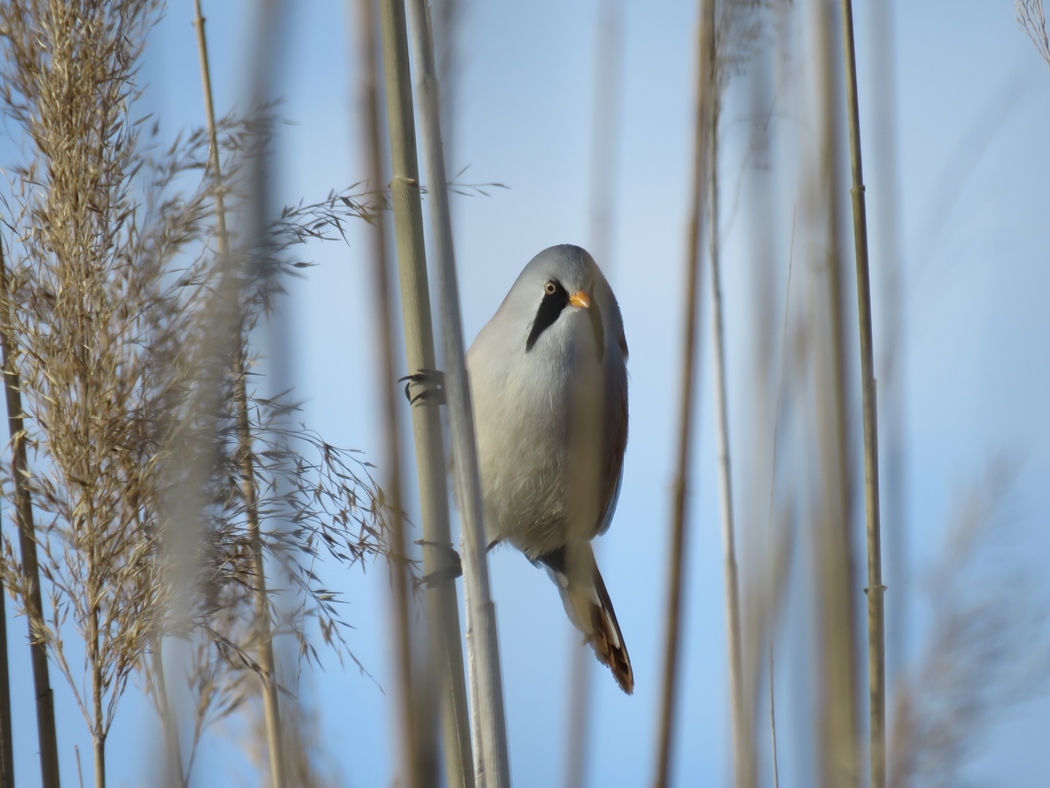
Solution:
(110, 300)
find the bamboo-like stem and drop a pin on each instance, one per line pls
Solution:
(676, 558)
(264, 634)
(839, 704)
(47, 736)
(487, 677)
(388, 396)
(442, 605)
(875, 590)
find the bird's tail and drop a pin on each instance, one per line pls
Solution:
(588, 606)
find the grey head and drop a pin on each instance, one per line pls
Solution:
(556, 278)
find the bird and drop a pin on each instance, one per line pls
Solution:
(548, 380)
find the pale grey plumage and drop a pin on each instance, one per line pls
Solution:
(548, 380)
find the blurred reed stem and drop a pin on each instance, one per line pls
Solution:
(605, 137)
(383, 316)
(679, 533)
(875, 590)
(47, 737)
(839, 704)
(743, 762)
(419, 352)
(264, 634)
(893, 475)
(173, 773)
(488, 678)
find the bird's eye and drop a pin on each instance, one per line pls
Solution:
(550, 288)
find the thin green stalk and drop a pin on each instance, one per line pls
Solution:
(679, 533)
(47, 736)
(264, 634)
(388, 396)
(487, 677)
(875, 590)
(419, 352)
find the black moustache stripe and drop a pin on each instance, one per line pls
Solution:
(550, 307)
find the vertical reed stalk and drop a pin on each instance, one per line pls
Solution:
(772, 492)
(679, 545)
(443, 608)
(739, 717)
(840, 735)
(173, 774)
(47, 736)
(267, 664)
(388, 397)
(875, 590)
(891, 373)
(605, 136)
(489, 694)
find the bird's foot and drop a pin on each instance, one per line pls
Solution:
(453, 566)
(431, 385)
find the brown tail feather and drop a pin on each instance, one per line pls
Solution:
(606, 638)
(589, 608)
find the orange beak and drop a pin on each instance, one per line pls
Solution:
(580, 299)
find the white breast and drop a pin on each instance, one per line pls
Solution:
(538, 417)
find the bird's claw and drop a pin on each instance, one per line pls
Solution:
(431, 383)
(452, 569)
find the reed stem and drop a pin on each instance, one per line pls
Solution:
(679, 532)
(443, 607)
(875, 590)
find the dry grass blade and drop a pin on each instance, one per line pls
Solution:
(1032, 19)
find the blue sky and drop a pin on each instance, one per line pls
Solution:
(974, 106)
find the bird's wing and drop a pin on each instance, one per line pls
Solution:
(614, 444)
